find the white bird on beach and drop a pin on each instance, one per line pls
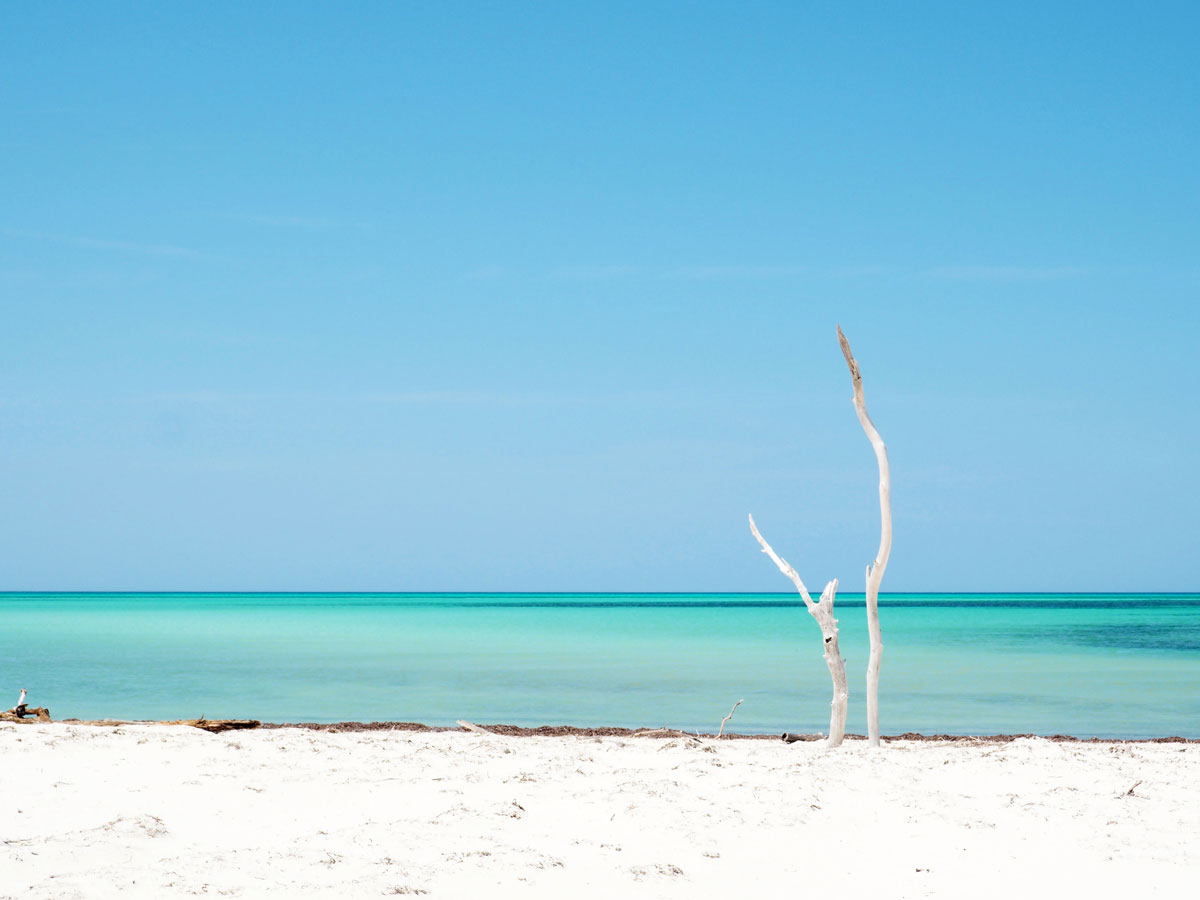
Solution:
(20, 700)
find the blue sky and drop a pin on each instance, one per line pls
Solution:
(538, 297)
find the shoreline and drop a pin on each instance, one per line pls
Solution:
(662, 731)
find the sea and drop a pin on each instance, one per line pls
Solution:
(1087, 665)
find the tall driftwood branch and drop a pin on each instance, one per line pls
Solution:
(875, 570)
(822, 611)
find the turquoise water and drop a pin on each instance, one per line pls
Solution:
(1106, 665)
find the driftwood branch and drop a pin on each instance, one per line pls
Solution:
(875, 570)
(23, 713)
(470, 726)
(728, 717)
(784, 566)
(822, 611)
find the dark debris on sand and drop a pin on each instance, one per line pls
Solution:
(661, 732)
(508, 730)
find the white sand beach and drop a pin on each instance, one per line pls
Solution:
(164, 811)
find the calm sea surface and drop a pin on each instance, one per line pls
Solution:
(1110, 665)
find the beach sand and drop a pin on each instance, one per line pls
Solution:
(164, 811)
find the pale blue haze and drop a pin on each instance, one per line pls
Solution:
(541, 297)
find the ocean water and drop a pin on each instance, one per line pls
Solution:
(1107, 665)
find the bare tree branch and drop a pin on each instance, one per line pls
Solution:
(784, 566)
(876, 569)
(822, 611)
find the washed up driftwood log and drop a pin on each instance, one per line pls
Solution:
(213, 726)
(23, 713)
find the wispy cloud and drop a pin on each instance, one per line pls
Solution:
(736, 271)
(865, 271)
(614, 271)
(698, 272)
(282, 221)
(434, 397)
(246, 399)
(204, 398)
(453, 398)
(493, 398)
(105, 244)
(1006, 273)
(486, 272)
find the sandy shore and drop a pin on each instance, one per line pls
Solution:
(162, 811)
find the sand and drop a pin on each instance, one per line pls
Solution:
(165, 811)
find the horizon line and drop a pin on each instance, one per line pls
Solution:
(987, 593)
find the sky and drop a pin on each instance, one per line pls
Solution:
(542, 297)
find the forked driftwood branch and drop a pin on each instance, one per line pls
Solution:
(822, 611)
(875, 570)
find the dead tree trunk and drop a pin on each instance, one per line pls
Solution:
(822, 611)
(875, 570)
